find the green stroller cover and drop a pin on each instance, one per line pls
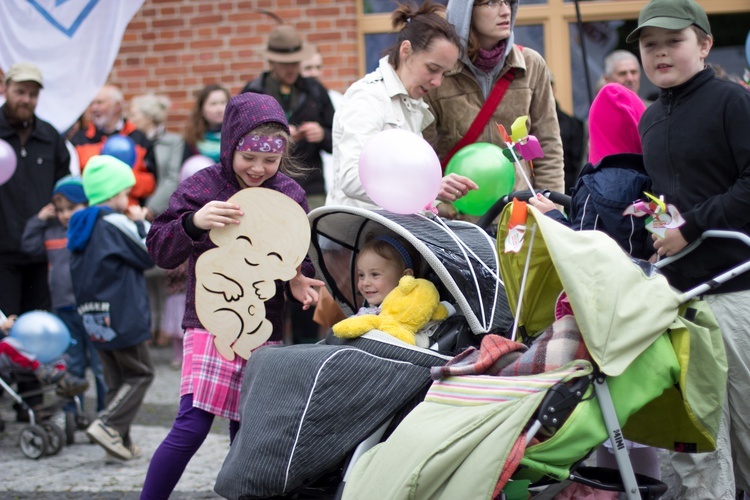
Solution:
(621, 311)
(619, 308)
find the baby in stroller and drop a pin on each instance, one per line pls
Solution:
(341, 393)
(411, 313)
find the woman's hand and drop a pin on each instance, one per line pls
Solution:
(217, 214)
(305, 289)
(454, 186)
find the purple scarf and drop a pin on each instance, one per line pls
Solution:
(487, 60)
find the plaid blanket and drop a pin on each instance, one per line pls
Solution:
(558, 345)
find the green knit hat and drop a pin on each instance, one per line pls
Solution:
(104, 177)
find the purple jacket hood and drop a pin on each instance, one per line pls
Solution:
(243, 113)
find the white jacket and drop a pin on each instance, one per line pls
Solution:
(377, 102)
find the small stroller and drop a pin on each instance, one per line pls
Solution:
(654, 372)
(340, 397)
(41, 436)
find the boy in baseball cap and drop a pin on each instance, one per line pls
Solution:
(696, 152)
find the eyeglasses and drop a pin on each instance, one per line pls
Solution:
(496, 4)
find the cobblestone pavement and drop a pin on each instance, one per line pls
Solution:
(82, 470)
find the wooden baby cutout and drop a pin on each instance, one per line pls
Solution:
(235, 279)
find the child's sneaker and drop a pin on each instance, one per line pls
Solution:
(48, 374)
(134, 449)
(109, 439)
(70, 385)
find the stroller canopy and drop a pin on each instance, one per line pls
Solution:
(460, 258)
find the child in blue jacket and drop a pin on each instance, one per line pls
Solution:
(109, 255)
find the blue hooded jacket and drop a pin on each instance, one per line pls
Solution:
(108, 257)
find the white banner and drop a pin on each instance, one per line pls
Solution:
(74, 43)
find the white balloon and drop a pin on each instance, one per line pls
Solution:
(194, 164)
(400, 171)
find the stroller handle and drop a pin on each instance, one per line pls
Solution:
(717, 280)
(491, 214)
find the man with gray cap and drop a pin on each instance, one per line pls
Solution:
(310, 114)
(42, 159)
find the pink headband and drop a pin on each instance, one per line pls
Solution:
(262, 143)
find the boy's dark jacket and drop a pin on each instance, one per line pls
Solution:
(697, 152)
(49, 239)
(107, 263)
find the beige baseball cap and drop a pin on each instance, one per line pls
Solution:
(24, 72)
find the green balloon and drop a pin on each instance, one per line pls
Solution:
(485, 164)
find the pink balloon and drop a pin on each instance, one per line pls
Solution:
(194, 164)
(8, 162)
(400, 171)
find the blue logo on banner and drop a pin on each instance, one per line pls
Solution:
(70, 30)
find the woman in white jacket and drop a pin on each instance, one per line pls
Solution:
(391, 97)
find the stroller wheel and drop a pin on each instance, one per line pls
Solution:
(83, 421)
(33, 441)
(55, 438)
(71, 425)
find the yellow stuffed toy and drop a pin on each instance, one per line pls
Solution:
(404, 311)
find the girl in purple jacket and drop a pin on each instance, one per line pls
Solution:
(255, 142)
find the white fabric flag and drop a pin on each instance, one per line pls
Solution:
(74, 43)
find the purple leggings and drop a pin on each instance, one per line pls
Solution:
(188, 432)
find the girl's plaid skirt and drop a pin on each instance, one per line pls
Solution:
(213, 381)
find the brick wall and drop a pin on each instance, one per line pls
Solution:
(175, 47)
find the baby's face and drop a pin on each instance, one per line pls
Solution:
(376, 277)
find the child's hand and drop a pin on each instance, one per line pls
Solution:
(134, 212)
(542, 203)
(672, 242)
(305, 289)
(454, 186)
(217, 214)
(47, 212)
(311, 132)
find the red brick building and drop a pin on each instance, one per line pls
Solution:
(175, 47)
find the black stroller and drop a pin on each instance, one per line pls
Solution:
(41, 436)
(308, 409)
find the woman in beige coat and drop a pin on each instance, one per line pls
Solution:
(486, 31)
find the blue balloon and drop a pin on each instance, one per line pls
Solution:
(42, 334)
(121, 147)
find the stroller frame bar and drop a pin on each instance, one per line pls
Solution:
(616, 438)
(18, 399)
(718, 280)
